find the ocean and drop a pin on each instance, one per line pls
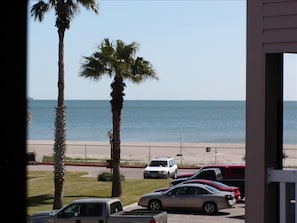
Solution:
(153, 121)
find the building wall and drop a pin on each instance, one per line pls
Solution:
(279, 26)
(271, 31)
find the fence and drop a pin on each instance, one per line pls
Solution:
(187, 154)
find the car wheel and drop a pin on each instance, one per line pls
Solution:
(210, 208)
(155, 205)
(168, 175)
(175, 175)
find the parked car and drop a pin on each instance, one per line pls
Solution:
(233, 175)
(209, 174)
(199, 197)
(228, 171)
(215, 184)
(105, 210)
(161, 167)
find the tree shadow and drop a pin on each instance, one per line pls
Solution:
(191, 212)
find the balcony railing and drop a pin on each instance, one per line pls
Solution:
(287, 180)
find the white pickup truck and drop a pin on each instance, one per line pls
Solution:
(97, 210)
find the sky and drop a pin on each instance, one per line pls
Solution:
(197, 48)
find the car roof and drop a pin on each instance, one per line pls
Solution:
(208, 182)
(190, 185)
(224, 166)
(200, 185)
(95, 200)
(197, 180)
(162, 158)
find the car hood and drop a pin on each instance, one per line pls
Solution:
(177, 181)
(152, 194)
(155, 168)
(161, 189)
(184, 175)
(43, 214)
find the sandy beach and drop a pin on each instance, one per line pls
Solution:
(194, 154)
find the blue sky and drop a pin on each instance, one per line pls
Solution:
(198, 49)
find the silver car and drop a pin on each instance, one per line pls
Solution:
(197, 197)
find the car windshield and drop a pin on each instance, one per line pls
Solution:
(158, 163)
(212, 189)
(220, 184)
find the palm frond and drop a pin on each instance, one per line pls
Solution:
(38, 10)
(90, 5)
(117, 60)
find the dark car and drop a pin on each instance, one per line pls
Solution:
(209, 174)
(228, 171)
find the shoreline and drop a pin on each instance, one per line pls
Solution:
(194, 154)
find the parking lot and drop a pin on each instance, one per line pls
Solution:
(233, 215)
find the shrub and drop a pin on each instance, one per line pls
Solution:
(105, 176)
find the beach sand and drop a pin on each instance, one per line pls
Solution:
(189, 154)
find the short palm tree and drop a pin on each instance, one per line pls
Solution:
(64, 11)
(29, 117)
(118, 62)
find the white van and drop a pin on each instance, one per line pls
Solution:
(161, 167)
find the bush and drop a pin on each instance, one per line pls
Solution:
(105, 176)
(31, 157)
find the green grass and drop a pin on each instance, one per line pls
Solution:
(82, 161)
(40, 189)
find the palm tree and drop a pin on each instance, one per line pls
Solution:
(118, 62)
(64, 11)
(29, 117)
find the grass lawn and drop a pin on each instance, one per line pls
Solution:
(40, 189)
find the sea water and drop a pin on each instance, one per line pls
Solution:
(153, 121)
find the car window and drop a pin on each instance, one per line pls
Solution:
(193, 191)
(219, 184)
(212, 189)
(181, 191)
(90, 210)
(202, 191)
(238, 171)
(115, 207)
(177, 191)
(223, 170)
(156, 163)
(69, 211)
(207, 175)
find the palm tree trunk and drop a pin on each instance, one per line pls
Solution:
(116, 106)
(60, 124)
(116, 179)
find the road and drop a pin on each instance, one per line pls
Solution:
(129, 173)
(233, 215)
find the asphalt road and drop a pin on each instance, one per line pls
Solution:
(129, 173)
(233, 215)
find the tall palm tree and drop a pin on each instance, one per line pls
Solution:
(64, 11)
(118, 62)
